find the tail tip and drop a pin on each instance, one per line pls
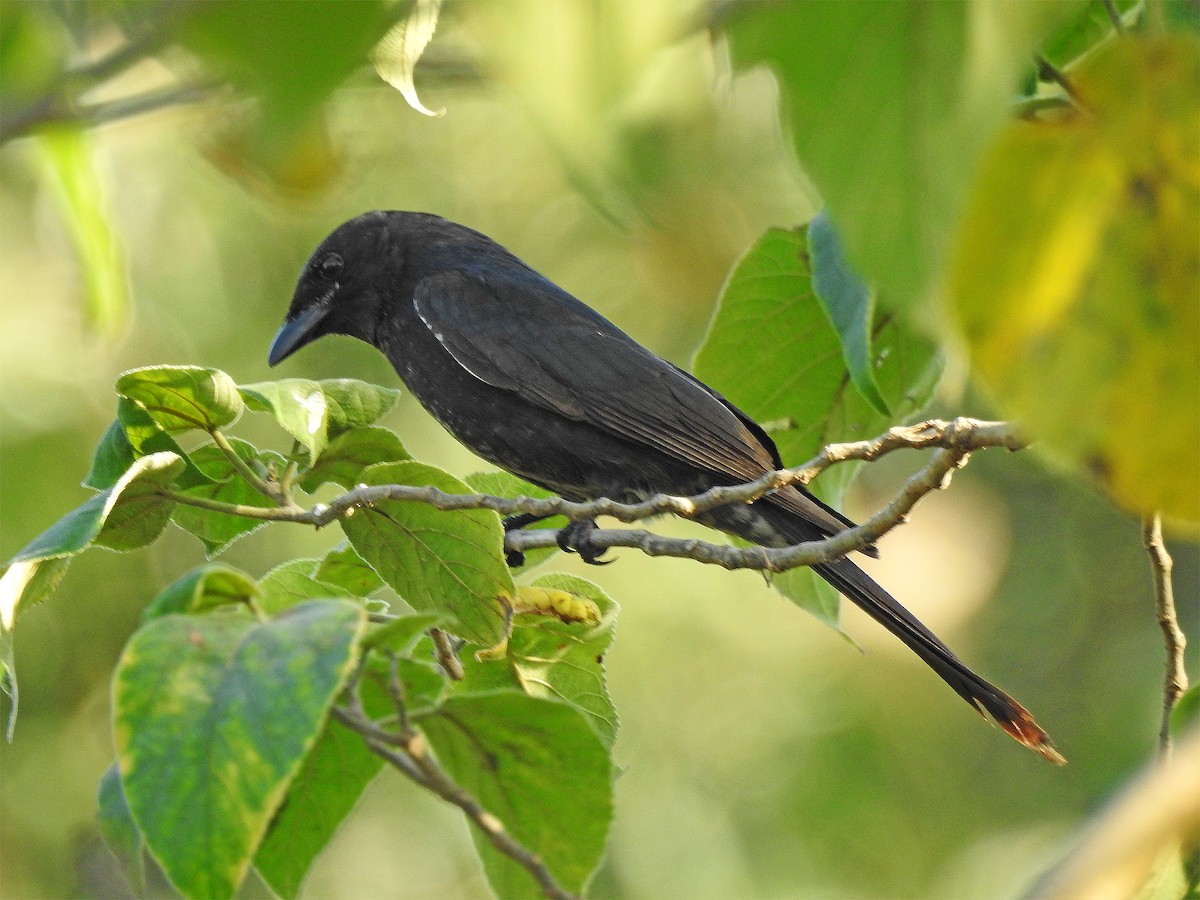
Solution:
(1021, 726)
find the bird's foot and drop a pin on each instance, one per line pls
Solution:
(516, 558)
(577, 538)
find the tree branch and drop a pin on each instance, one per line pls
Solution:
(408, 751)
(1176, 680)
(955, 440)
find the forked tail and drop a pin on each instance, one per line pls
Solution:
(872, 599)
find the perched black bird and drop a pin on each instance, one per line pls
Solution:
(533, 380)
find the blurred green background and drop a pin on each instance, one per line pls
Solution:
(610, 146)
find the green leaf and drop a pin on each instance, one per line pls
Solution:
(349, 453)
(538, 766)
(213, 716)
(291, 55)
(314, 412)
(132, 435)
(297, 404)
(800, 375)
(343, 567)
(291, 583)
(179, 398)
(326, 789)
(848, 302)
(445, 562)
(889, 106)
(401, 633)
(128, 515)
(556, 660)
(203, 589)
(354, 404)
(505, 484)
(120, 832)
(223, 483)
(1076, 277)
(69, 163)
(1084, 31)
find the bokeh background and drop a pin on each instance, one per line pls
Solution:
(763, 754)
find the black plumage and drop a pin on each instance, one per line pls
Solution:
(530, 378)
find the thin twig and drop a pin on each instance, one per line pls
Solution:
(444, 648)
(1047, 71)
(266, 488)
(1114, 16)
(1176, 680)
(408, 752)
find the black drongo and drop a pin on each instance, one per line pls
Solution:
(530, 378)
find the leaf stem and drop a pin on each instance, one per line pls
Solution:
(268, 489)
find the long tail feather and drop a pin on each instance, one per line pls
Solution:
(992, 702)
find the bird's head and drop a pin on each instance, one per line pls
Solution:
(344, 283)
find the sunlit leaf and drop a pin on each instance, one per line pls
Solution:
(539, 767)
(1078, 270)
(132, 435)
(297, 404)
(446, 562)
(213, 716)
(22, 584)
(314, 412)
(128, 515)
(396, 56)
(179, 398)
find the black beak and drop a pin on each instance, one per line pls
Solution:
(295, 333)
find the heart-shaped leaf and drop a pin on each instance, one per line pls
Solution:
(213, 716)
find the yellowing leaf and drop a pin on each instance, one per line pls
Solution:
(545, 601)
(1077, 276)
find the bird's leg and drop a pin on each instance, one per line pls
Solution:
(516, 558)
(576, 538)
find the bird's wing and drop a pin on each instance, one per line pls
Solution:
(526, 335)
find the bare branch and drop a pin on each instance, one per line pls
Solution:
(955, 440)
(1176, 681)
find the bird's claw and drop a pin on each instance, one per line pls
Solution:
(576, 538)
(516, 558)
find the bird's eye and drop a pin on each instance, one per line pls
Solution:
(330, 266)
